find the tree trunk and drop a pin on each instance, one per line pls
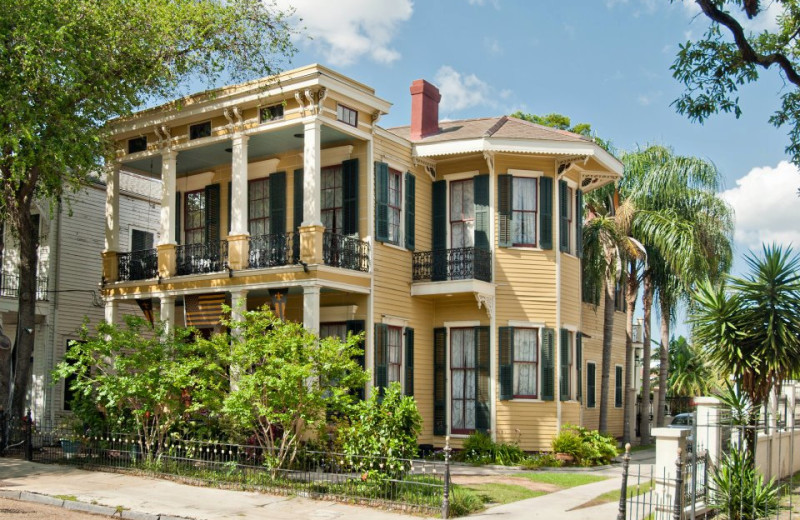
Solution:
(647, 305)
(631, 292)
(608, 334)
(26, 314)
(663, 369)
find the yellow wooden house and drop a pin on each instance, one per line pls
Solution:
(455, 245)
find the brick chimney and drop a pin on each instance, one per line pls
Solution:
(425, 99)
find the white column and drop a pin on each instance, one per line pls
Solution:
(710, 430)
(239, 185)
(169, 161)
(111, 311)
(312, 175)
(311, 308)
(167, 313)
(112, 206)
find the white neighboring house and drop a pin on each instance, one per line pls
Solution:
(71, 239)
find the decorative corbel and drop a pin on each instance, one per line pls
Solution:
(231, 124)
(376, 116)
(323, 93)
(159, 135)
(489, 156)
(167, 136)
(563, 165)
(310, 98)
(299, 100)
(239, 119)
(485, 301)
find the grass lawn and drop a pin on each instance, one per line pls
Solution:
(639, 448)
(563, 480)
(613, 495)
(502, 493)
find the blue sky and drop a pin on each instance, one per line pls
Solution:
(604, 62)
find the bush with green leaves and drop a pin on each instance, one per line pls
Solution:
(383, 430)
(739, 491)
(285, 381)
(479, 448)
(144, 376)
(588, 447)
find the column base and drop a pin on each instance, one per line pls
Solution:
(238, 252)
(311, 244)
(110, 266)
(166, 260)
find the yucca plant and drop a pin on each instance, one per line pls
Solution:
(739, 492)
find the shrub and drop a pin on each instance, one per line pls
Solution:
(479, 448)
(588, 447)
(541, 460)
(740, 492)
(384, 428)
(464, 501)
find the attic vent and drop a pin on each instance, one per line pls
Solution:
(137, 144)
(200, 130)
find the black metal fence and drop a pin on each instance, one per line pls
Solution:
(138, 265)
(9, 286)
(210, 257)
(461, 263)
(274, 250)
(345, 251)
(407, 484)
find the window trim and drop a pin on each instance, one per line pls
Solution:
(250, 182)
(572, 330)
(538, 361)
(450, 182)
(402, 324)
(401, 204)
(185, 214)
(345, 107)
(535, 212)
(456, 431)
(572, 246)
(449, 326)
(334, 208)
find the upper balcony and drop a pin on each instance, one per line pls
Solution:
(9, 286)
(452, 271)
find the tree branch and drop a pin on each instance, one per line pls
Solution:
(747, 51)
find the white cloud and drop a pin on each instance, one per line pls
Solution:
(495, 3)
(347, 30)
(460, 91)
(766, 205)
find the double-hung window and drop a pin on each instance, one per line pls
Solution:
(463, 373)
(394, 345)
(194, 227)
(524, 210)
(570, 218)
(526, 363)
(462, 214)
(258, 207)
(332, 193)
(395, 204)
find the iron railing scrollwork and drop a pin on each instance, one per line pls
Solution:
(345, 251)
(460, 263)
(274, 250)
(9, 286)
(210, 257)
(138, 265)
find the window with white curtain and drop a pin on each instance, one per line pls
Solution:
(462, 213)
(524, 208)
(394, 344)
(463, 377)
(526, 362)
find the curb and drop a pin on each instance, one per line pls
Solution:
(38, 498)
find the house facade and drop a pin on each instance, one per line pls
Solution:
(455, 246)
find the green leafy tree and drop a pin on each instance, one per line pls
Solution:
(69, 66)
(714, 67)
(562, 122)
(288, 379)
(750, 326)
(691, 373)
(151, 376)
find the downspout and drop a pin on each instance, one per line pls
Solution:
(52, 287)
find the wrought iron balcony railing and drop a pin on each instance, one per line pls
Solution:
(138, 265)
(210, 257)
(461, 263)
(274, 250)
(9, 286)
(345, 251)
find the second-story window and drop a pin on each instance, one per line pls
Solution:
(570, 218)
(271, 113)
(395, 204)
(331, 207)
(462, 214)
(523, 220)
(258, 207)
(194, 218)
(347, 115)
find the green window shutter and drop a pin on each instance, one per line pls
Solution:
(505, 198)
(506, 363)
(297, 212)
(355, 327)
(409, 361)
(618, 386)
(579, 223)
(277, 202)
(579, 365)
(440, 381)
(212, 213)
(350, 196)
(563, 227)
(381, 357)
(230, 204)
(548, 364)
(381, 202)
(563, 374)
(439, 235)
(546, 212)
(591, 382)
(411, 190)
(483, 420)
(482, 216)
(178, 217)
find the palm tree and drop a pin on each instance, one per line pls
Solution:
(691, 373)
(686, 231)
(751, 328)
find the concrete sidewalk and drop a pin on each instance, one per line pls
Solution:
(143, 498)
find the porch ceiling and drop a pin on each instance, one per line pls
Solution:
(260, 145)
